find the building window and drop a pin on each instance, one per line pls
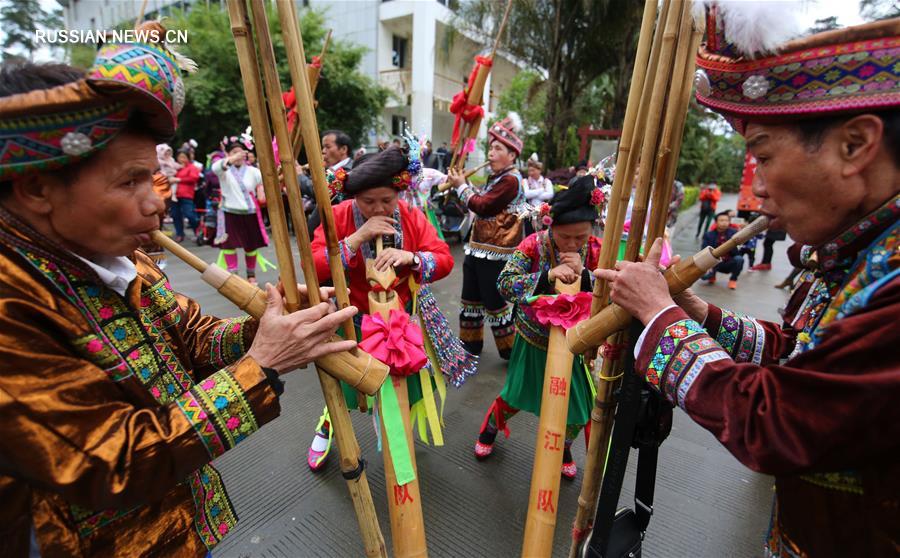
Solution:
(398, 57)
(398, 124)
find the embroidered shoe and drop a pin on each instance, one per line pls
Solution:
(484, 446)
(321, 445)
(569, 470)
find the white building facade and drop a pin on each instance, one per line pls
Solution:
(412, 50)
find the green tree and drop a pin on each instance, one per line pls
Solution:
(215, 104)
(19, 20)
(872, 10)
(573, 43)
(710, 151)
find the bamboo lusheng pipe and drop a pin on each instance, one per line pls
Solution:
(678, 12)
(543, 500)
(604, 402)
(305, 106)
(313, 74)
(359, 370)
(629, 143)
(663, 195)
(444, 186)
(352, 467)
(679, 277)
(404, 502)
(476, 96)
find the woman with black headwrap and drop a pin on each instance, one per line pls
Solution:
(566, 250)
(418, 257)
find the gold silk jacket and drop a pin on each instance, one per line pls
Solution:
(112, 407)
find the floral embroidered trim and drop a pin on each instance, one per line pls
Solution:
(227, 342)
(214, 515)
(427, 265)
(161, 305)
(218, 403)
(742, 337)
(667, 347)
(87, 521)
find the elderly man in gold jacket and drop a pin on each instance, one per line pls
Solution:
(116, 392)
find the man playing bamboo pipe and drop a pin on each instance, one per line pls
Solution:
(496, 232)
(815, 403)
(566, 250)
(116, 392)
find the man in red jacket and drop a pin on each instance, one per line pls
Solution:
(496, 232)
(813, 403)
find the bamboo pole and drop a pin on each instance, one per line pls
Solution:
(305, 104)
(404, 501)
(629, 144)
(313, 73)
(665, 179)
(444, 186)
(601, 414)
(359, 370)
(678, 278)
(543, 500)
(476, 96)
(655, 116)
(351, 465)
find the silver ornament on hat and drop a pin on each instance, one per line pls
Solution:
(701, 83)
(178, 96)
(75, 143)
(755, 87)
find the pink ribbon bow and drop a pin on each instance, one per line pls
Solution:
(563, 310)
(397, 343)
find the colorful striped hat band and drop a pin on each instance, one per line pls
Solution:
(47, 129)
(844, 71)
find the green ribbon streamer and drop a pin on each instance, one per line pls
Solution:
(395, 433)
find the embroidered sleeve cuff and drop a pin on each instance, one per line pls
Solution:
(427, 264)
(230, 340)
(465, 192)
(229, 405)
(739, 335)
(640, 340)
(675, 352)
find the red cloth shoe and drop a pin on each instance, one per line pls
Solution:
(569, 470)
(484, 446)
(761, 267)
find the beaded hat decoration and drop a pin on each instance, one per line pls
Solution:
(747, 70)
(505, 131)
(48, 129)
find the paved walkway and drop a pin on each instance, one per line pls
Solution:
(707, 504)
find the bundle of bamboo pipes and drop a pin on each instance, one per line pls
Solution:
(264, 100)
(651, 140)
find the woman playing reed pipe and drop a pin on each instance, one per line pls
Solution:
(566, 250)
(418, 257)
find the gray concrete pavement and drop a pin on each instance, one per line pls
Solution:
(707, 504)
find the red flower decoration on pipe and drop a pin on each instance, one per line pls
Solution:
(563, 310)
(397, 343)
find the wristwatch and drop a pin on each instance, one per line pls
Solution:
(416, 261)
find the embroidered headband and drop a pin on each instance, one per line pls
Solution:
(47, 129)
(841, 71)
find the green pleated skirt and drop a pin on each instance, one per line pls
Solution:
(525, 383)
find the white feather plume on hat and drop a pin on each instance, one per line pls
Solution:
(515, 122)
(756, 28)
